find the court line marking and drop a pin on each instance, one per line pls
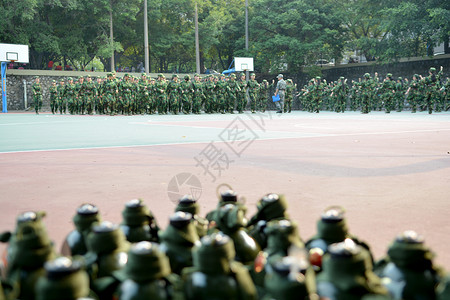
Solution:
(312, 135)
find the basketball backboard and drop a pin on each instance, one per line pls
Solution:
(14, 52)
(243, 64)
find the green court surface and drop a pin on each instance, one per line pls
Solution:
(30, 132)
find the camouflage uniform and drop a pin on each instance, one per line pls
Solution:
(110, 92)
(187, 91)
(233, 89)
(242, 94)
(209, 95)
(61, 97)
(388, 90)
(290, 91)
(53, 90)
(37, 95)
(174, 90)
(70, 93)
(198, 95)
(222, 91)
(160, 94)
(126, 90)
(89, 95)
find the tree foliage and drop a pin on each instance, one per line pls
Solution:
(282, 34)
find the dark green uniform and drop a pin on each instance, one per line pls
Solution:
(37, 95)
(53, 90)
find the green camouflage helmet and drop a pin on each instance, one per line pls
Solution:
(233, 75)
(432, 69)
(187, 77)
(367, 75)
(174, 76)
(161, 75)
(253, 74)
(143, 75)
(389, 75)
(70, 78)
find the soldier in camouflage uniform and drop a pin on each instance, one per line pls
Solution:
(413, 93)
(89, 92)
(198, 95)
(242, 94)
(37, 94)
(53, 90)
(110, 92)
(79, 98)
(142, 95)
(263, 95)
(61, 97)
(340, 91)
(253, 87)
(366, 93)
(209, 87)
(432, 82)
(174, 91)
(289, 98)
(99, 101)
(399, 94)
(233, 89)
(160, 94)
(70, 94)
(222, 90)
(126, 90)
(316, 95)
(388, 90)
(187, 91)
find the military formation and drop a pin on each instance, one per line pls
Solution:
(131, 96)
(221, 255)
(220, 94)
(430, 93)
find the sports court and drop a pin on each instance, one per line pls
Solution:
(391, 172)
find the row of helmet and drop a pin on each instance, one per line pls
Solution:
(221, 256)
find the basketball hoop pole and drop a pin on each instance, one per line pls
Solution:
(4, 102)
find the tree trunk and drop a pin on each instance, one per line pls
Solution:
(111, 35)
(446, 46)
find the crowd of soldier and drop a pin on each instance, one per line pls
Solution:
(129, 95)
(223, 255)
(369, 93)
(220, 94)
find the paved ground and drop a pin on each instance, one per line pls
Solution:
(390, 171)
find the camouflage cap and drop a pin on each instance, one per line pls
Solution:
(264, 80)
(432, 69)
(143, 75)
(280, 76)
(53, 81)
(233, 75)
(70, 78)
(389, 75)
(342, 77)
(187, 77)
(126, 75)
(36, 77)
(174, 76)
(367, 75)
(80, 77)
(196, 75)
(252, 74)
(160, 75)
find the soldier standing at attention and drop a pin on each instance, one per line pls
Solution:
(242, 94)
(161, 97)
(187, 91)
(37, 94)
(253, 87)
(232, 95)
(53, 97)
(388, 89)
(79, 99)
(173, 89)
(222, 89)
(209, 94)
(61, 97)
(290, 91)
(70, 94)
(280, 90)
(198, 96)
